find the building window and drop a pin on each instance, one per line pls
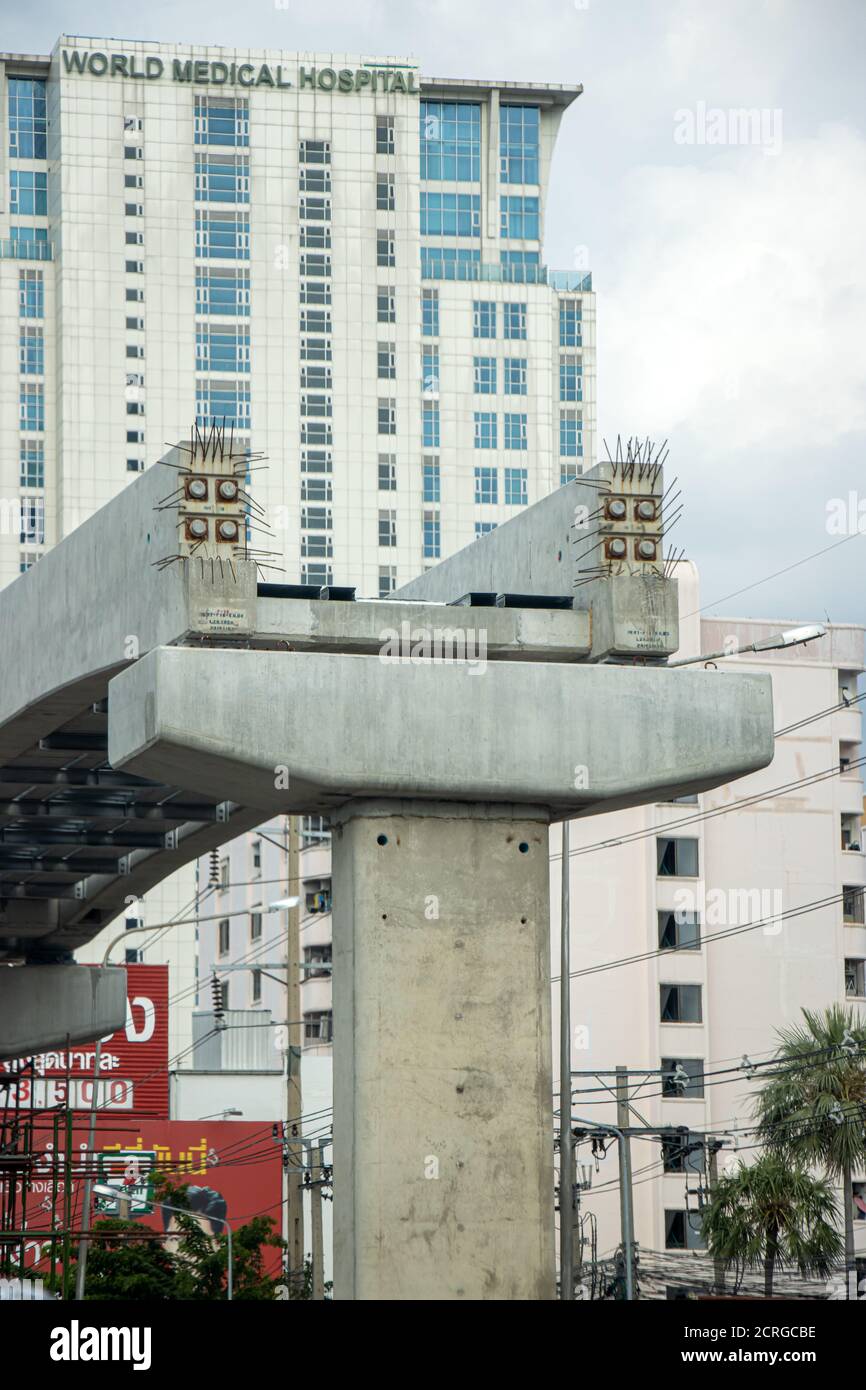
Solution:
(486, 485)
(430, 313)
(676, 858)
(316, 490)
(311, 263)
(385, 197)
(432, 536)
(571, 434)
(484, 376)
(31, 406)
(450, 214)
(518, 218)
(27, 118)
(315, 956)
(316, 378)
(386, 306)
(385, 252)
(570, 379)
(224, 937)
(514, 316)
(430, 424)
(313, 180)
(28, 193)
(682, 1077)
(222, 121)
(855, 974)
(852, 905)
(319, 1027)
(314, 152)
(31, 352)
(31, 294)
(518, 144)
(515, 487)
(431, 480)
(514, 431)
(316, 518)
(569, 323)
(484, 318)
(32, 521)
(222, 236)
(430, 370)
(450, 141)
(317, 575)
(222, 178)
(316, 406)
(255, 926)
(387, 580)
(256, 851)
(387, 528)
(384, 134)
(485, 429)
(682, 1153)
(679, 931)
(483, 528)
(386, 362)
(255, 987)
(316, 461)
(450, 263)
(134, 296)
(222, 350)
(387, 473)
(316, 237)
(514, 369)
(386, 417)
(315, 321)
(226, 401)
(315, 209)
(680, 1003)
(682, 1231)
(31, 458)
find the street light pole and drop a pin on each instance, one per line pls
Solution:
(566, 1143)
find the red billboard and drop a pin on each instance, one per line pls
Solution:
(133, 1065)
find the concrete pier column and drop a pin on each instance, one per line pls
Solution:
(443, 1131)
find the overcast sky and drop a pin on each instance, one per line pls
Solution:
(730, 276)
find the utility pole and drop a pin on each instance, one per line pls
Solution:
(566, 1142)
(713, 1146)
(316, 1223)
(625, 1188)
(294, 1042)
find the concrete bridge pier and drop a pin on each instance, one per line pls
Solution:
(443, 1131)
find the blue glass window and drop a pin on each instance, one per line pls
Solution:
(484, 318)
(570, 434)
(28, 233)
(483, 528)
(222, 121)
(515, 431)
(31, 400)
(223, 350)
(448, 262)
(518, 144)
(31, 458)
(432, 536)
(486, 485)
(570, 379)
(223, 236)
(431, 480)
(485, 429)
(430, 369)
(451, 214)
(569, 323)
(27, 118)
(223, 292)
(450, 141)
(31, 294)
(28, 193)
(430, 313)
(522, 267)
(518, 217)
(484, 373)
(223, 400)
(515, 320)
(31, 351)
(32, 521)
(222, 178)
(430, 424)
(515, 376)
(515, 487)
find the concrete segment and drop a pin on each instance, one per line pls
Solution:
(46, 1006)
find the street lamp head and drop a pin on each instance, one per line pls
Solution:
(283, 903)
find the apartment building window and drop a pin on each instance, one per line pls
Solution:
(223, 399)
(316, 518)
(134, 238)
(222, 121)
(484, 376)
(486, 486)
(134, 465)
(313, 180)
(32, 512)
(852, 905)
(682, 1231)
(386, 361)
(315, 321)
(387, 528)
(431, 481)
(316, 461)
(680, 1004)
(387, 580)
(314, 209)
(569, 323)
(430, 427)
(385, 252)
(570, 434)
(518, 144)
(682, 1078)
(317, 547)
(134, 267)
(135, 407)
(682, 1153)
(316, 377)
(385, 194)
(224, 937)
(485, 429)
(135, 436)
(851, 832)
(222, 178)
(450, 214)
(314, 152)
(679, 931)
(133, 209)
(319, 1027)
(570, 379)
(317, 575)
(31, 459)
(515, 431)
(31, 352)
(136, 324)
(855, 977)
(386, 306)
(222, 350)
(311, 263)
(316, 405)
(314, 291)
(28, 193)
(316, 432)
(384, 134)
(31, 408)
(133, 180)
(27, 118)
(518, 218)
(26, 560)
(255, 986)
(133, 152)
(134, 296)
(316, 490)
(387, 473)
(316, 236)
(135, 350)
(515, 487)
(514, 320)
(317, 955)
(430, 370)
(31, 294)
(222, 236)
(514, 371)
(255, 926)
(432, 536)
(256, 851)
(483, 528)
(224, 874)
(224, 292)
(386, 417)
(676, 858)
(430, 313)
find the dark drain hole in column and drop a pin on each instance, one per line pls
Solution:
(523, 847)
(381, 839)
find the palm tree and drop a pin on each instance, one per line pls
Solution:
(812, 1107)
(770, 1215)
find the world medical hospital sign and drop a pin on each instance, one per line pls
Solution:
(203, 73)
(133, 1064)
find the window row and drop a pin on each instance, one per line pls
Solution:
(514, 431)
(222, 120)
(487, 486)
(451, 142)
(28, 124)
(485, 376)
(485, 318)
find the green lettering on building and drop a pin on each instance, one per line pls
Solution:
(202, 72)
